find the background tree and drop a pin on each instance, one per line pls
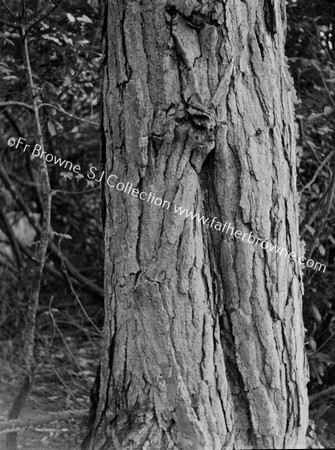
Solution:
(203, 336)
(49, 88)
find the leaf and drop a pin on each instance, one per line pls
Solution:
(316, 188)
(10, 78)
(59, 126)
(62, 235)
(83, 42)
(52, 38)
(328, 110)
(84, 19)
(70, 17)
(317, 316)
(312, 344)
(67, 40)
(67, 175)
(67, 80)
(51, 128)
(310, 229)
(44, 26)
(90, 183)
(322, 250)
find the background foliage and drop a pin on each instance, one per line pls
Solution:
(310, 50)
(65, 54)
(65, 50)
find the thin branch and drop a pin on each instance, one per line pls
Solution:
(45, 13)
(327, 158)
(5, 94)
(86, 191)
(41, 252)
(7, 229)
(9, 24)
(6, 263)
(314, 397)
(76, 274)
(328, 196)
(48, 267)
(8, 9)
(74, 293)
(318, 67)
(16, 425)
(18, 198)
(31, 183)
(90, 285)
(15, 103)
(28, 160)
(56, 327)
(23, 9)
(46, 223)
(68, 114)
(13, 123)
(93, 288)
(56, 373)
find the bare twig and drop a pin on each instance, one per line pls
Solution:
(326, 159)
(43, 14)
(7, 229)
(326, 392)
(21, 94)
(329, 196)
(28, 160)
(74, 293)
(56, 327)
(9, 24)
(50, 105)
(46, 198)
(56, 273)
(90, 285)
(33, 301)
(12, 122)
(76, 274)
(16, 425)
(56, 373)
(8, 9)
(15, 103)
(23, 9)
(318, 67)
(86, 191)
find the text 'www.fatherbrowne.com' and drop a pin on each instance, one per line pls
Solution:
(151, 197)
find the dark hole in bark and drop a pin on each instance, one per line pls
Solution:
(172, 10)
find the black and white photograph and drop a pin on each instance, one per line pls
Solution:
(167, 224)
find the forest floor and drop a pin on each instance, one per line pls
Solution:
(63, 382)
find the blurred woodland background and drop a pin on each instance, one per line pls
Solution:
(62, 73)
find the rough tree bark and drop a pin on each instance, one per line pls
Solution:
(203, 337)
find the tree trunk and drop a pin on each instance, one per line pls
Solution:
(203, 339)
